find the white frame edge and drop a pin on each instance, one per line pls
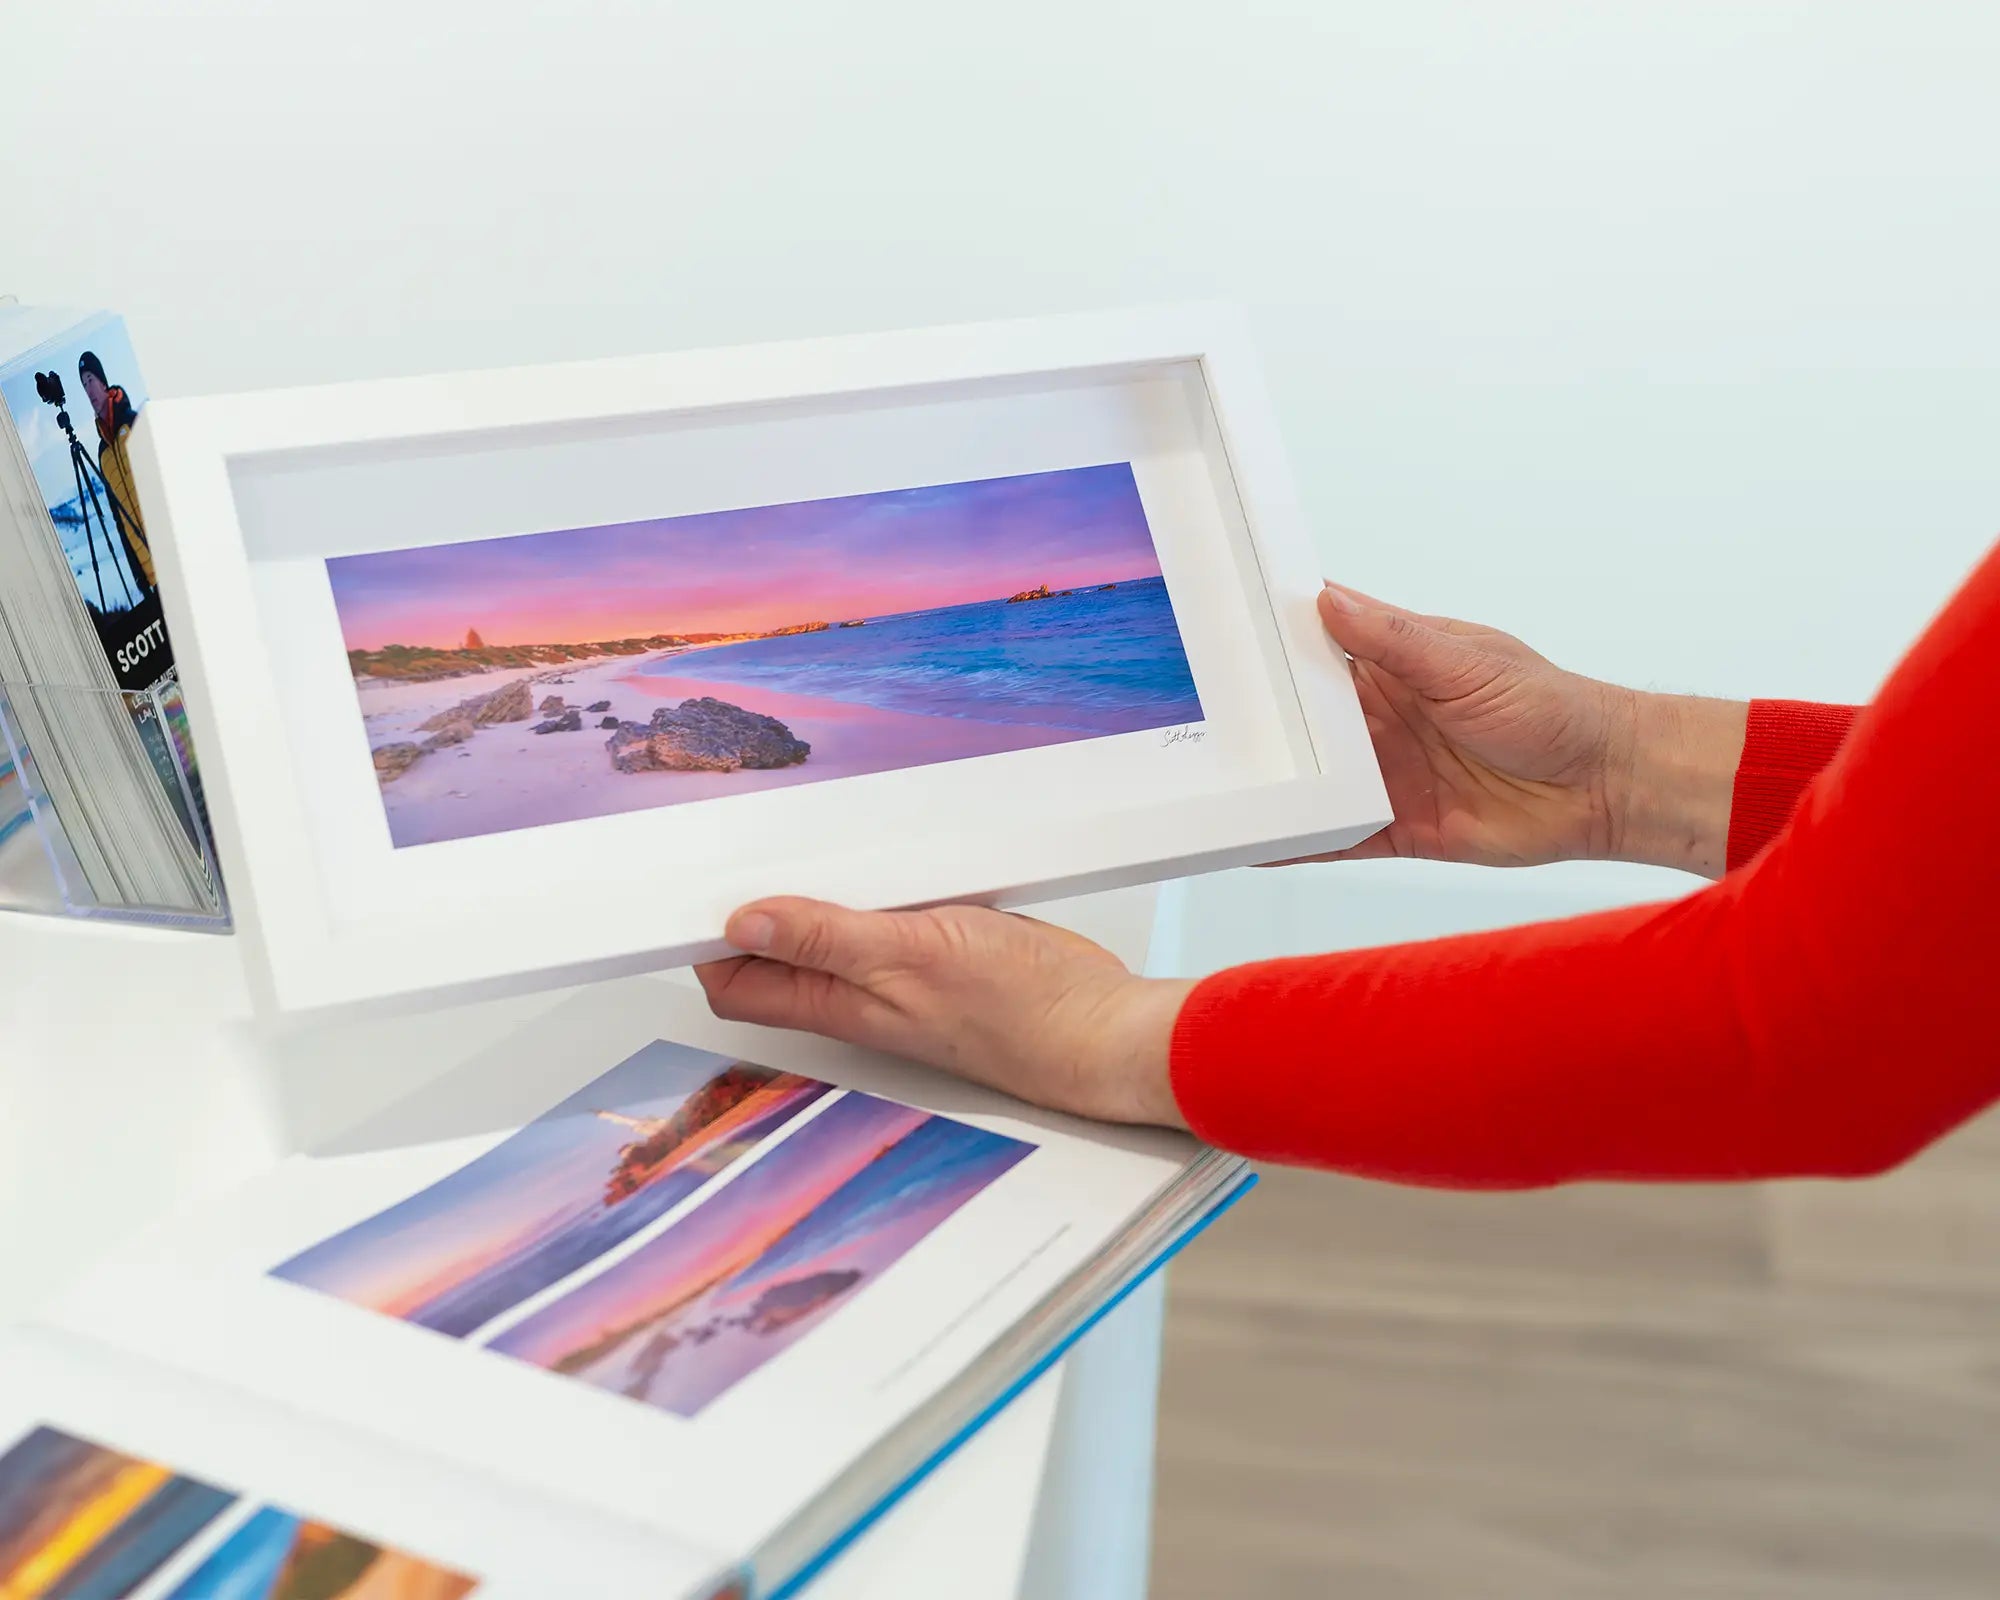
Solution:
(182, 453)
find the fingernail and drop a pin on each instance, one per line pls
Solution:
(753, 931)
(1340, 599)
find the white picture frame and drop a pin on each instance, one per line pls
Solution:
(243, 496)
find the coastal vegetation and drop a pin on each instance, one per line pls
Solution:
(418, 663)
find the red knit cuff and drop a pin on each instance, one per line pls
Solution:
(1787, 744)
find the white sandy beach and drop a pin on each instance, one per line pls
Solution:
(507, 776)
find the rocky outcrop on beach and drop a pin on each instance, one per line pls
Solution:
(510, 704)
(551, 704)
(514, 703)
(662, 1139)
(1039, 592)
(783, 1304)
(570, 721)
(598, 705)
(777, 1308)
(393, 760)
(704, 735)
(457, 731)
(858, 622)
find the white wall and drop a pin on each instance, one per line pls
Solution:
(1662, 333)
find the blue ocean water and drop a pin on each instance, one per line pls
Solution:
(1096, 661)
(248, 1564)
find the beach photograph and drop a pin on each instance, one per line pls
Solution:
(577, 1181)
(783, 1246)
(275, 1555)
(80, 1521)
(548, 677)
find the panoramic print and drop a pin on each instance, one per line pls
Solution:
(747, 1274)
(579, 1180)
(81, 1521)
(540, 678)
(666, 1230)
(275, 1555)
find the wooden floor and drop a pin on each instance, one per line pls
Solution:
(1382, 1394)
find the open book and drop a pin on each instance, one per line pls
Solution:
(597, 1313)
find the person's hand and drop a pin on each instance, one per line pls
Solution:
(1494, 755)
(1004, 1000)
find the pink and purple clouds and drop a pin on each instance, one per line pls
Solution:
(758, 568)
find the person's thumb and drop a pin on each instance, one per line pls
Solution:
(811, 933)
(1434, 663)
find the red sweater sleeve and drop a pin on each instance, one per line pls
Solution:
(1827, 1009)
(1786, 745)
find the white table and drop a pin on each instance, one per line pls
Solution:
(131, 1083)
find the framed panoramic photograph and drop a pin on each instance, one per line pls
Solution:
(530, 677)
(921, 657)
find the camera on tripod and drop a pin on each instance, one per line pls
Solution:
(107, 518)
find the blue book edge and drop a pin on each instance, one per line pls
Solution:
(793, 1585)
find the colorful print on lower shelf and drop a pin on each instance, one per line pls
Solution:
(82, 1521)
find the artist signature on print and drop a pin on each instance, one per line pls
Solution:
(1174, 736)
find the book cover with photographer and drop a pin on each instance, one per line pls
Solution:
(74, 405)
(90, 707)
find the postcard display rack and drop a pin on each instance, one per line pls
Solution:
(49, 734)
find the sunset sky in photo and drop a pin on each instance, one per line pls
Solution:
(843, 1197)
(760, 568)
(518, 1215)
(78, 1519)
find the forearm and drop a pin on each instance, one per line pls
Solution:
(1671, 806)
(1703, 785)
(1736, 1034)
(1601, 1047)
(1826, 1010)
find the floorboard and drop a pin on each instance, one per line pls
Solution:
(1374, 1394)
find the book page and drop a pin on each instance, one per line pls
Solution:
(683, 1283)
(118, 1478)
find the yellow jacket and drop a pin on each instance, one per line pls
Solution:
(116, 466)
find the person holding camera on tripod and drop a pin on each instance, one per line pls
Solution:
(115, 417)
